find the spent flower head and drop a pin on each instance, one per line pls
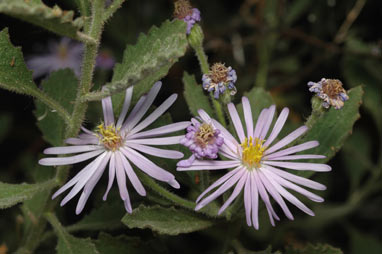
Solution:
(219, 78)
(184, 11)
(59, 55)
(119, 143)
(257, 164)
(330, 91)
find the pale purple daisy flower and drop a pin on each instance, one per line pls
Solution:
(119, 143)
(60, 55)
(203, 140)
(330, 91)
(219, 78)
(185, 12)
(255, 161)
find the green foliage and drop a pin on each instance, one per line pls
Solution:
(36, 12)
(170, 221)
(195, 96)
(61, 86)
(333, 127)
(68, 244)
(313, 249)
(148, 60)
(11, 194)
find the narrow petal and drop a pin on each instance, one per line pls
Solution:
(297, 157)
(69, 160)
(255, 202)
(134, 111)
(278, 126)
(108, 113)
(267, 122)
(127, 204)
(71, 149)
(297, 179)
(121, 177)
(146, 165)
(156, 141)
(236, 121)
(286, 140)
(228, 138)
(91, 183)
(210, 165)
(223, 188)
(163, 153)
(80, 141)
(260, 123)
(131, 122)
(275, 194)
(203, 114)
(239, 186)
(248, 199)
(293, 149)
(125, 107)
(247, 116)
(283, 192)
(133, 177)
(155, 115)
(300, 165)
(111, 175)
(161, 130)
(218, 182)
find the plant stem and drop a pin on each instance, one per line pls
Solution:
(114, 6)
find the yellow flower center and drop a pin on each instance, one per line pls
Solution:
(252, 152)
(109, 136)
(205, 135)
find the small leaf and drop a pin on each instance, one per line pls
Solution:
(36, 12)
(333, 127)
(61, 86)
(170, 221)
(11, 194)
(195, 96)
(68, 244)
(313, 249)
(153, 54)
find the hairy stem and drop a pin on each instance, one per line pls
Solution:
(114, 6)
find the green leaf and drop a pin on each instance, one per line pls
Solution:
(333, 127)
(259, 99)
(61, 86)
(68, 244)
(11, 194)
(313, 249)
(36, 12)
(195, 96)
(107, 217)
(170, 221)
(150, 58)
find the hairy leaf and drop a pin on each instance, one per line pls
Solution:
(61, 86)
(313, 249)
(36, 12)
(195, 96)
(12, 194)
(153, 54)
(170, 221)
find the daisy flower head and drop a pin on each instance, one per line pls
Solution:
(203, 140)
(119, 144)
(64, 54)
(184, 11)
(220, 78)
(330, 91)
(257, 164)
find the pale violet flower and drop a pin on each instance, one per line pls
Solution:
(256, 163)
(119, 143)
(59, 55)
(184, 11)
(330, 91)
(219, 79)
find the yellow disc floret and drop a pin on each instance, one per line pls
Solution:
(252, 152)
(109, 136)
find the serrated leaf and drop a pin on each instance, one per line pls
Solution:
(36, 12)
(152, 56)
(106, 217)
(12, 194)
(170, 221)
(68, 244)
(195, 96)
(333, 127)
(61, 86)
(313, 249)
